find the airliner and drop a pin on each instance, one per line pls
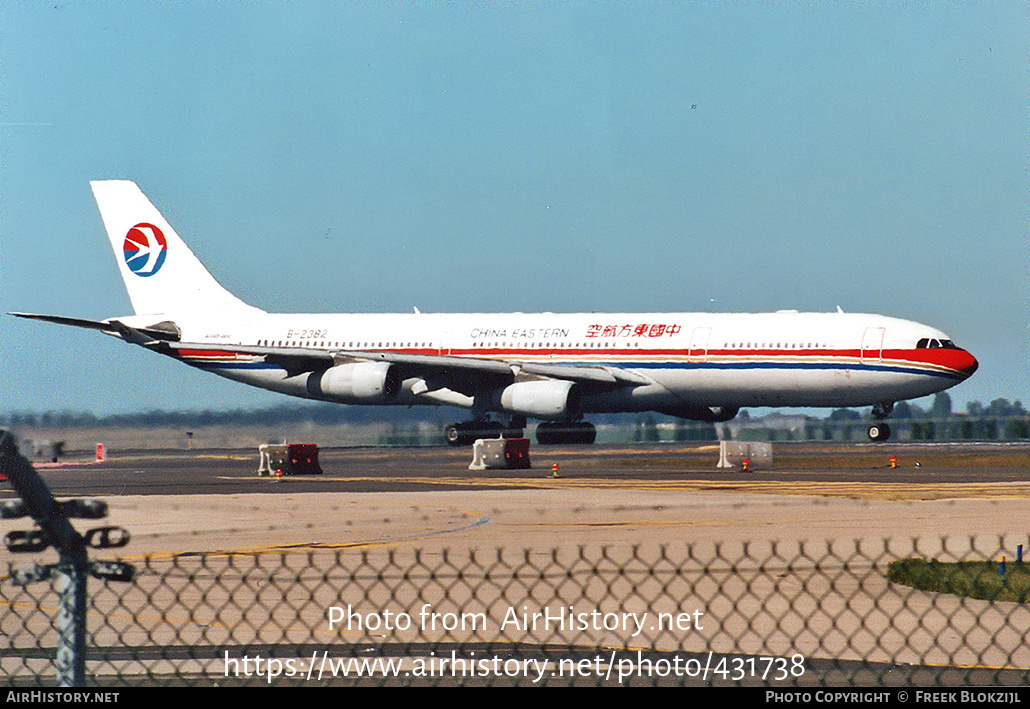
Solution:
(507, 368)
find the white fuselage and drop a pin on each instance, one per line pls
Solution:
(682, 359)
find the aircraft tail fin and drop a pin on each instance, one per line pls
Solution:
(160, 272)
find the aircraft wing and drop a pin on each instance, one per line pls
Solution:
(460, 369)
(586, 373)
(462, 374)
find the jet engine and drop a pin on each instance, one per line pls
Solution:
(544, 398)
(367, 382)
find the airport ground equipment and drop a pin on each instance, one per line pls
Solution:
(506, 453)
(53, 528)
(289, 459)
(43, 449)
(732, 454)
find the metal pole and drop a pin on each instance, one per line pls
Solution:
(73, 567)
(71, 624)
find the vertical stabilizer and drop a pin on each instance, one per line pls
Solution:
(160, 272)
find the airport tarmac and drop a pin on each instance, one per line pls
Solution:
(213, 500)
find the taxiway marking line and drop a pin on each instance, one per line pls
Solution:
(300, 546)
(861, 490)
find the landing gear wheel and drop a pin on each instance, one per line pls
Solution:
(466, 433)
(513, 429)
(568, 432)
(487, 429)
(547, 434)
(879, 432)
(583, 433)
(454, 435)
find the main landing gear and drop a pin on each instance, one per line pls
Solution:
(467, 432)
(464, 434)
(880, 431)
(570, 432)
(547, 432)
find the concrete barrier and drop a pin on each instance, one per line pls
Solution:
(732, 454)
(505, 453)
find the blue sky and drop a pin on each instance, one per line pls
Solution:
(373, 157)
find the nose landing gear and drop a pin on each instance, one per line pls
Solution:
(880, 431)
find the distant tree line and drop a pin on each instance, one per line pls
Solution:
(998, 420)
(317, 413)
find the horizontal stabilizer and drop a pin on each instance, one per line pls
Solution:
(73, 322)
(161, 332)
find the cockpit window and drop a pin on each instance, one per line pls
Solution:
(931, 344)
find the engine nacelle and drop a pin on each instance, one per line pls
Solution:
(544, 398)
(719, 414)
(357, 381)
(708, 414)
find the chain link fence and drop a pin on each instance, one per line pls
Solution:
(761, 613)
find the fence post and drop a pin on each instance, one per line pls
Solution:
(71, 622)
(73, 565)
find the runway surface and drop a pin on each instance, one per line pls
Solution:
(213, 500)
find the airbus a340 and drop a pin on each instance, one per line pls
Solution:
(506, 368)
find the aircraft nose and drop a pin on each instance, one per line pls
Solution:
(968, 364)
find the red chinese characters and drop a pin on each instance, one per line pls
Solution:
(633, 330)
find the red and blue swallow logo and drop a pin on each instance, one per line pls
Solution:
(145, 249)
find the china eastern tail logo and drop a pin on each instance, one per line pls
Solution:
(145, 249)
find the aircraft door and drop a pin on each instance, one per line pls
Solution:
(872, 344)
(444, 345)
(699, 342)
